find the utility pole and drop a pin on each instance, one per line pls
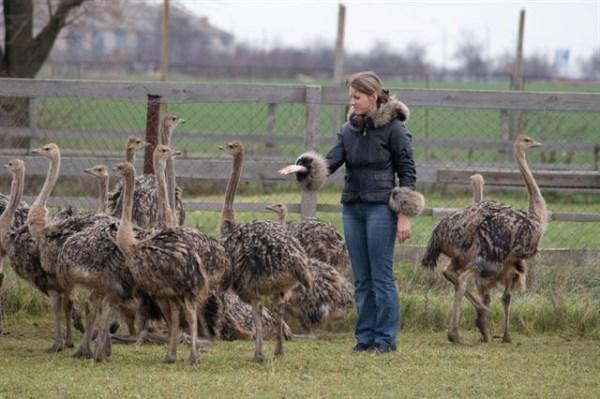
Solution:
(338, 68)
(164, 59)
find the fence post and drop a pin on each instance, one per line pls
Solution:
(271, 123)
(153, 117)
(308, 205)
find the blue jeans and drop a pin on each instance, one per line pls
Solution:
(370, 231)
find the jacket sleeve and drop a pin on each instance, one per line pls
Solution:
(337, 155)
(402, 155)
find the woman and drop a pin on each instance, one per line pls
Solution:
(378, 202)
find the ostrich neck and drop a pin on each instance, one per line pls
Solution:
(282, 217)
(166, 134)
(537, 205)
(228, 214)
(165, 212)
(37, 217)
(130, 155)
(102, 194)
(7, 218)
(49, 183)
(477, 192)
(125, 237)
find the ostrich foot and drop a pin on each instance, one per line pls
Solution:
(192, 359)
(454, 337)
(85, 353)
(56, 347)
(259, 358)
(169, 359)
(279, 352)
(482, 323)
(507, 339)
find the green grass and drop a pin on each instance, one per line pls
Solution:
(425, 366)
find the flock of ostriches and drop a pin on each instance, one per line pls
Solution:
(138, 264)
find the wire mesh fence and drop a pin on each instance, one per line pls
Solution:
(452, 137)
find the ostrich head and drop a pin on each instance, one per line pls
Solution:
(170, 121)
(164, 152)
(15, 166)
(134, 143)
(50, 151)
(233, 148)
(125, 169)
(476, 180)
(280, 210)
(98, 171)
(524, 142)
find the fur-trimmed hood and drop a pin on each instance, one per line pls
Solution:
(384, 114)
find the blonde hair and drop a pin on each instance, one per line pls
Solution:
(369, 83)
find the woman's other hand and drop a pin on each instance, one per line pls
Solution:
(403, 228)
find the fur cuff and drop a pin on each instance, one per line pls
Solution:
(406, 201)
(316, 174)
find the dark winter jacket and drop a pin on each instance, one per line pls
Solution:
(377, 152)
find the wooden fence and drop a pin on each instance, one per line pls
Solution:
(264, 168)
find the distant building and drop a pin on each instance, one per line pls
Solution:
(130, 35)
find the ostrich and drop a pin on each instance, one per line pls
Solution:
(212, 254)
(319, 239)
(331, 296)
(12, 213)
(166, 266)
(146, 212)
(49, 236)
(265, 260)
(100, 172)
(489, 233)
(238, 321)
(90, 258)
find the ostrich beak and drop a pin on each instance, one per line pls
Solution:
(269, 207)
(36, 151)
(182, 121)
(536, 144)
(88, 171)
(176, 153)
(6, 166)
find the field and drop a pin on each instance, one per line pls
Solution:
(425, 366)
(555, 323)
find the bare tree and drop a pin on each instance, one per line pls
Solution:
(470, 53)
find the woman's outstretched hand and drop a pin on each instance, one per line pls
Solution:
(288, 170)
(403, 228)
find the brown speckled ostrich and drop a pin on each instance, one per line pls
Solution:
(166, 266)
(22, 250)
(146, 213)
(319, 239)
(215, 260)
(331, 296)
(265, 260)
(9, 207)
(100, 172)
(489, 233)
(49, 236)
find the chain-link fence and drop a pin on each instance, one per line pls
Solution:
(455, 134)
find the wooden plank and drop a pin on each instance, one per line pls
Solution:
(436, 213)
(282, 138)
(547, 256)
(308, 206)
(205, 92)
(473, 99)
(564, 179)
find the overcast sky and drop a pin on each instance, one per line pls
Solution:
(438, 25)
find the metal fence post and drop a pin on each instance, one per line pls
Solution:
(308, 205)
